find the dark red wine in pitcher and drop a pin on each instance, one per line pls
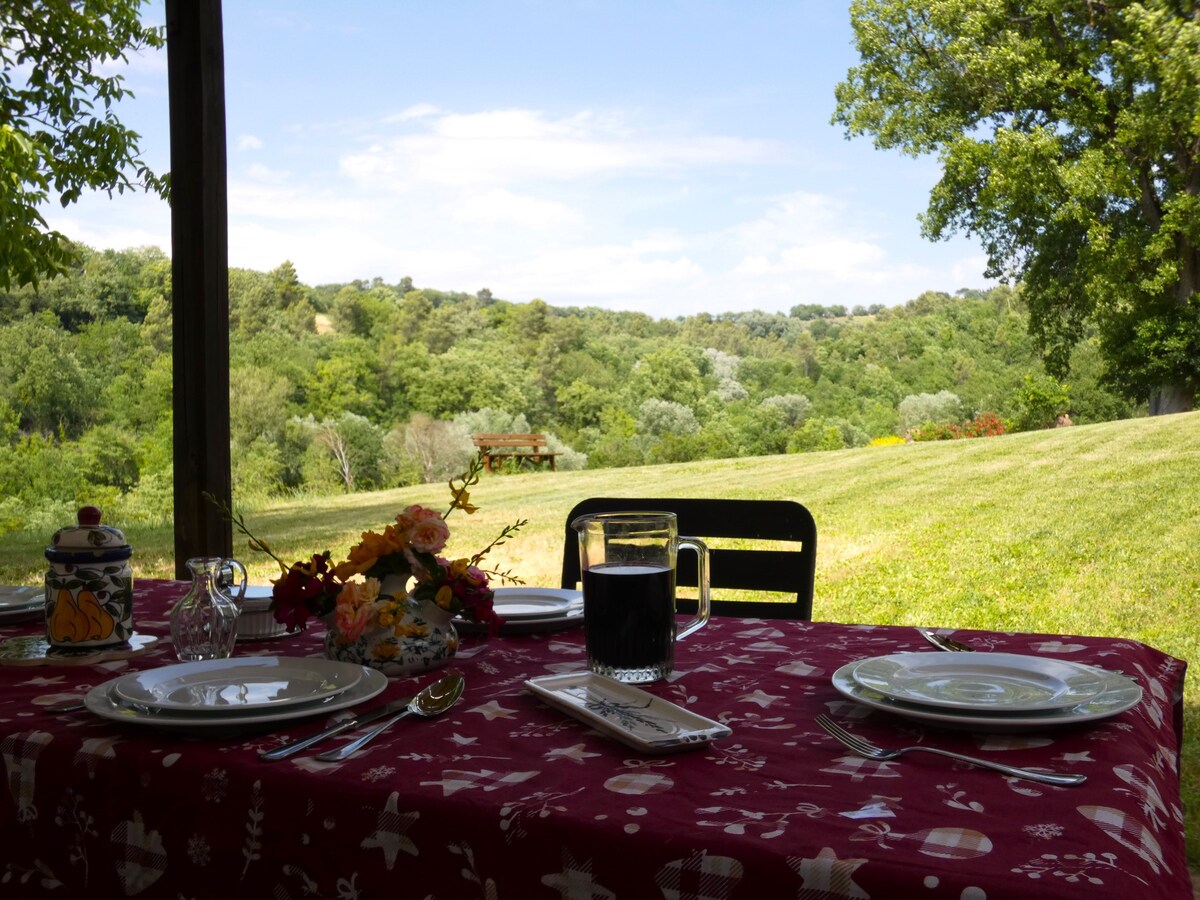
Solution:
(629, 620)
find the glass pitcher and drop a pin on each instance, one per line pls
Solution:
(204, 621)
(627, 560)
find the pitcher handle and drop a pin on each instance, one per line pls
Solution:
(226, 586)
(701, 550)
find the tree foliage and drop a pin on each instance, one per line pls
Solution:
(1069, 138)
(362, 386)
(59, 131)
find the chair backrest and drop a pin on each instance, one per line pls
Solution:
(784, 571)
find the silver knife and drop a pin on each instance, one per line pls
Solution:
(364, 718)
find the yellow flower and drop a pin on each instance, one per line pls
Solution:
(350, 568)
(384, 650)
(444, 597)
(359, 593)
(410, 630)
(367, 551)
(462, 500)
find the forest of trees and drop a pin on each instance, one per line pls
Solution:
(370, 385)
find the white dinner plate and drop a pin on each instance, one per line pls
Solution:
(1002, 682)
(634, 717)
(1120, 693)
(527, 610)
(104, 702)
(20, 603)
(237, 684)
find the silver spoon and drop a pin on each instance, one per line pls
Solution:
(944, 643)
(434, 700)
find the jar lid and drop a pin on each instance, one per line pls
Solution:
(89, 534)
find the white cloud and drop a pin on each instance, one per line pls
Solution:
(505, 147)
(281, 201)
(581, 209)
(600, 273)
(417, 111)
(499, 206)
(125, 221)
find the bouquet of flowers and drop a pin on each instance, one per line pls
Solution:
(410, 547)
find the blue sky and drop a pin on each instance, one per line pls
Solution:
(667, 157)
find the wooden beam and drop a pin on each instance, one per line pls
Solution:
(199, 278)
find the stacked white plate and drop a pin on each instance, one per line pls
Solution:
(223, 693)
(19, 604)
(526, 610)
(987, 691)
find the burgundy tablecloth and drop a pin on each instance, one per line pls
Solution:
(506, 799)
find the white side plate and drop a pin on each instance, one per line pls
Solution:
(1004, 682)
(102, 701)
(1121, 693)
(629, 714)
(528, 610)
(237, 684)
(20, 603)
(531, 603)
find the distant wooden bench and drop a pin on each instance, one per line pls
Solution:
(496, 448)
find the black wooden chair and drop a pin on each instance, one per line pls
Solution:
(780, 571)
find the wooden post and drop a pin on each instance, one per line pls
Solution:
(199, 278)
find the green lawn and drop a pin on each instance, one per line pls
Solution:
(1084, 530)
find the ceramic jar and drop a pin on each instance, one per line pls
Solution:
(424, 638)
(89, 585)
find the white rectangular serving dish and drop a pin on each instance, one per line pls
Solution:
(634, 717)
(256, 621)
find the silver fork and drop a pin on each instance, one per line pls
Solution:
(865, 748)
(944, 643)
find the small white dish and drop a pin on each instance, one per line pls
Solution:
(1007, 682)
(1119, 694)
(634, 717)
(104, 702)
(238, 684)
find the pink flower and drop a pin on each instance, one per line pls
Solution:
(429, 531)
(351, 622)
(355, 608)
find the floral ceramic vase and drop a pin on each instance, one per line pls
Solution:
(410, 637)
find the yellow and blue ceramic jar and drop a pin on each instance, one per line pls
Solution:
(89, 585)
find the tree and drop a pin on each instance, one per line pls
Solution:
(1069, 137)
(59, 133)
(439, 449)
(942, 407)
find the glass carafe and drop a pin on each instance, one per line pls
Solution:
(204, 621)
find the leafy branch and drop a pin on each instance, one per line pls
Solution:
(460, 497)
(256, 544)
